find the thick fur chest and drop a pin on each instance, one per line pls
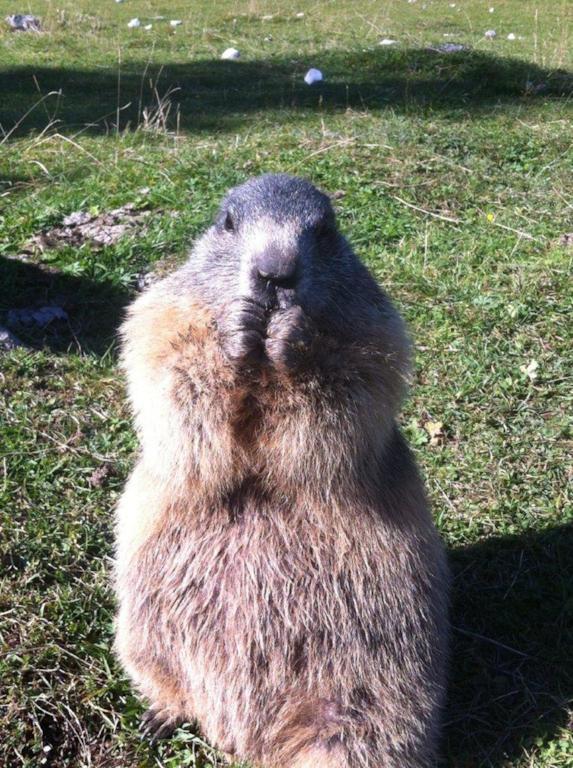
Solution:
(261, 582)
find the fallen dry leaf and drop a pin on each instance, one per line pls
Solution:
(435, 430)
(530, 370)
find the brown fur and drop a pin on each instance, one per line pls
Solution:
(278, 573)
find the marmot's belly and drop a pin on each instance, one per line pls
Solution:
(248, 619)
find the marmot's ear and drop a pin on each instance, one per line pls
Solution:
(327, 223)
(226, 218)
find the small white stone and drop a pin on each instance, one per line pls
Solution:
(490, 34)
(313, 76)
(300, 15)
(175, 23)
(511, 36)
(230, 53)
(7, 340)
(388, 41)
(491, 10)
(119, 1)
(134, 23)
(148, 26)
(531, 370)
(452, 5)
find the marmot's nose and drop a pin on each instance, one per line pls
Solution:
(276, 264)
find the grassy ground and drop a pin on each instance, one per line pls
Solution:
(456, 171)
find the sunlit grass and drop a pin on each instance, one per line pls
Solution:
(453, 175)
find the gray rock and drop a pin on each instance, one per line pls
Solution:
(24, 22)
(41, 316)
(8, 341)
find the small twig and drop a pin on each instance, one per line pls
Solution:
(37, 84)
(485, 639)
(341, 143)
(66, 446)
(448, 501)
(147, 64)
(25, 115)
(42, 167)
(519, 232)
(74, 144)
(118, 89)
(377, 29)
(449, 219)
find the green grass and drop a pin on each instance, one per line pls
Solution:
(457, 175)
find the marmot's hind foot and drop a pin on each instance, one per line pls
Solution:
(157, 724)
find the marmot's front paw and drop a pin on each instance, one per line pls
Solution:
(290, 335)
(242, 330)
(158, 723)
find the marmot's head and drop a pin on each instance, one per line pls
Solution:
(273, 266)
(275, 242)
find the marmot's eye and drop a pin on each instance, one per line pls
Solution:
(229, 224)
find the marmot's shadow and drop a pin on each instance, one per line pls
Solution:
(92, 310)
(512, 655)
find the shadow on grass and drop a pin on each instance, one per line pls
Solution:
(512, 676)
(94, 308)
(207, 95)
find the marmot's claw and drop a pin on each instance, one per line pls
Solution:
(242, 329)
(289, 338)
(157, 724)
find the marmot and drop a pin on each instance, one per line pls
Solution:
(279, 577)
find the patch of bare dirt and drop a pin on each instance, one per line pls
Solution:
(82, 227)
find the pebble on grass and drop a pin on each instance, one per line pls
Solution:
(231, 53)
(530, 370)
(24, 22)
(8, 340)
(41, 317)
(313, 76)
